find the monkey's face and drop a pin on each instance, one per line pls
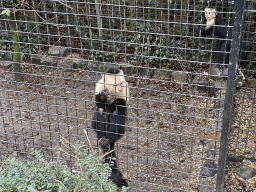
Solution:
(115, 84)
(209, 13)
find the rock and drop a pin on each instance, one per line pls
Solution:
(202, 84)
(73, 61)
(98, 66)
(66, 63)
(6, 64)
(217, 73)
(219, 84)
(180, 76)
(49, 61)
(58, 51)
(36, 59)
(208, 170)
(225, 72)
(214, 71)
(143, 71)
(245, 172)
(209, 166)
(78, 63)
(8, 77)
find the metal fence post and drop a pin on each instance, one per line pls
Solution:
(230, 91)
(67, 18)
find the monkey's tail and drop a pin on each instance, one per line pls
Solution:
(116, 175)
(117, 178)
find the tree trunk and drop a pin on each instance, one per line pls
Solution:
(16, 51)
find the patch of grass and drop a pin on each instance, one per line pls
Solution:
(40, 175)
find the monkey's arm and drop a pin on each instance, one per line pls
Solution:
(101, 99)
(207, 30)
(105, 101)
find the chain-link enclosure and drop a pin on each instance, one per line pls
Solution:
(190, 122)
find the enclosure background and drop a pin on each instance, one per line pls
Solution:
(53, 53)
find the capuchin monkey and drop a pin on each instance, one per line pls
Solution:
(111, 95)
(217, 25)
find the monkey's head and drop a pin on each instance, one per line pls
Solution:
(210, 15)
(113, 79)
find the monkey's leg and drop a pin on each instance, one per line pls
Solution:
(104, 143)
(99, 123)
(116, 125)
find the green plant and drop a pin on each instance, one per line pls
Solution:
(39, 175)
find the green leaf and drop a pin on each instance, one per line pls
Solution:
(6, 11)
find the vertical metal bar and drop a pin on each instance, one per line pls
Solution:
(230, 91)
(97, 6)
(67, 23)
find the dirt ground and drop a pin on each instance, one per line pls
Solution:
(169, 125)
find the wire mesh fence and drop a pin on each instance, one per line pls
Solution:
(191, 102)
